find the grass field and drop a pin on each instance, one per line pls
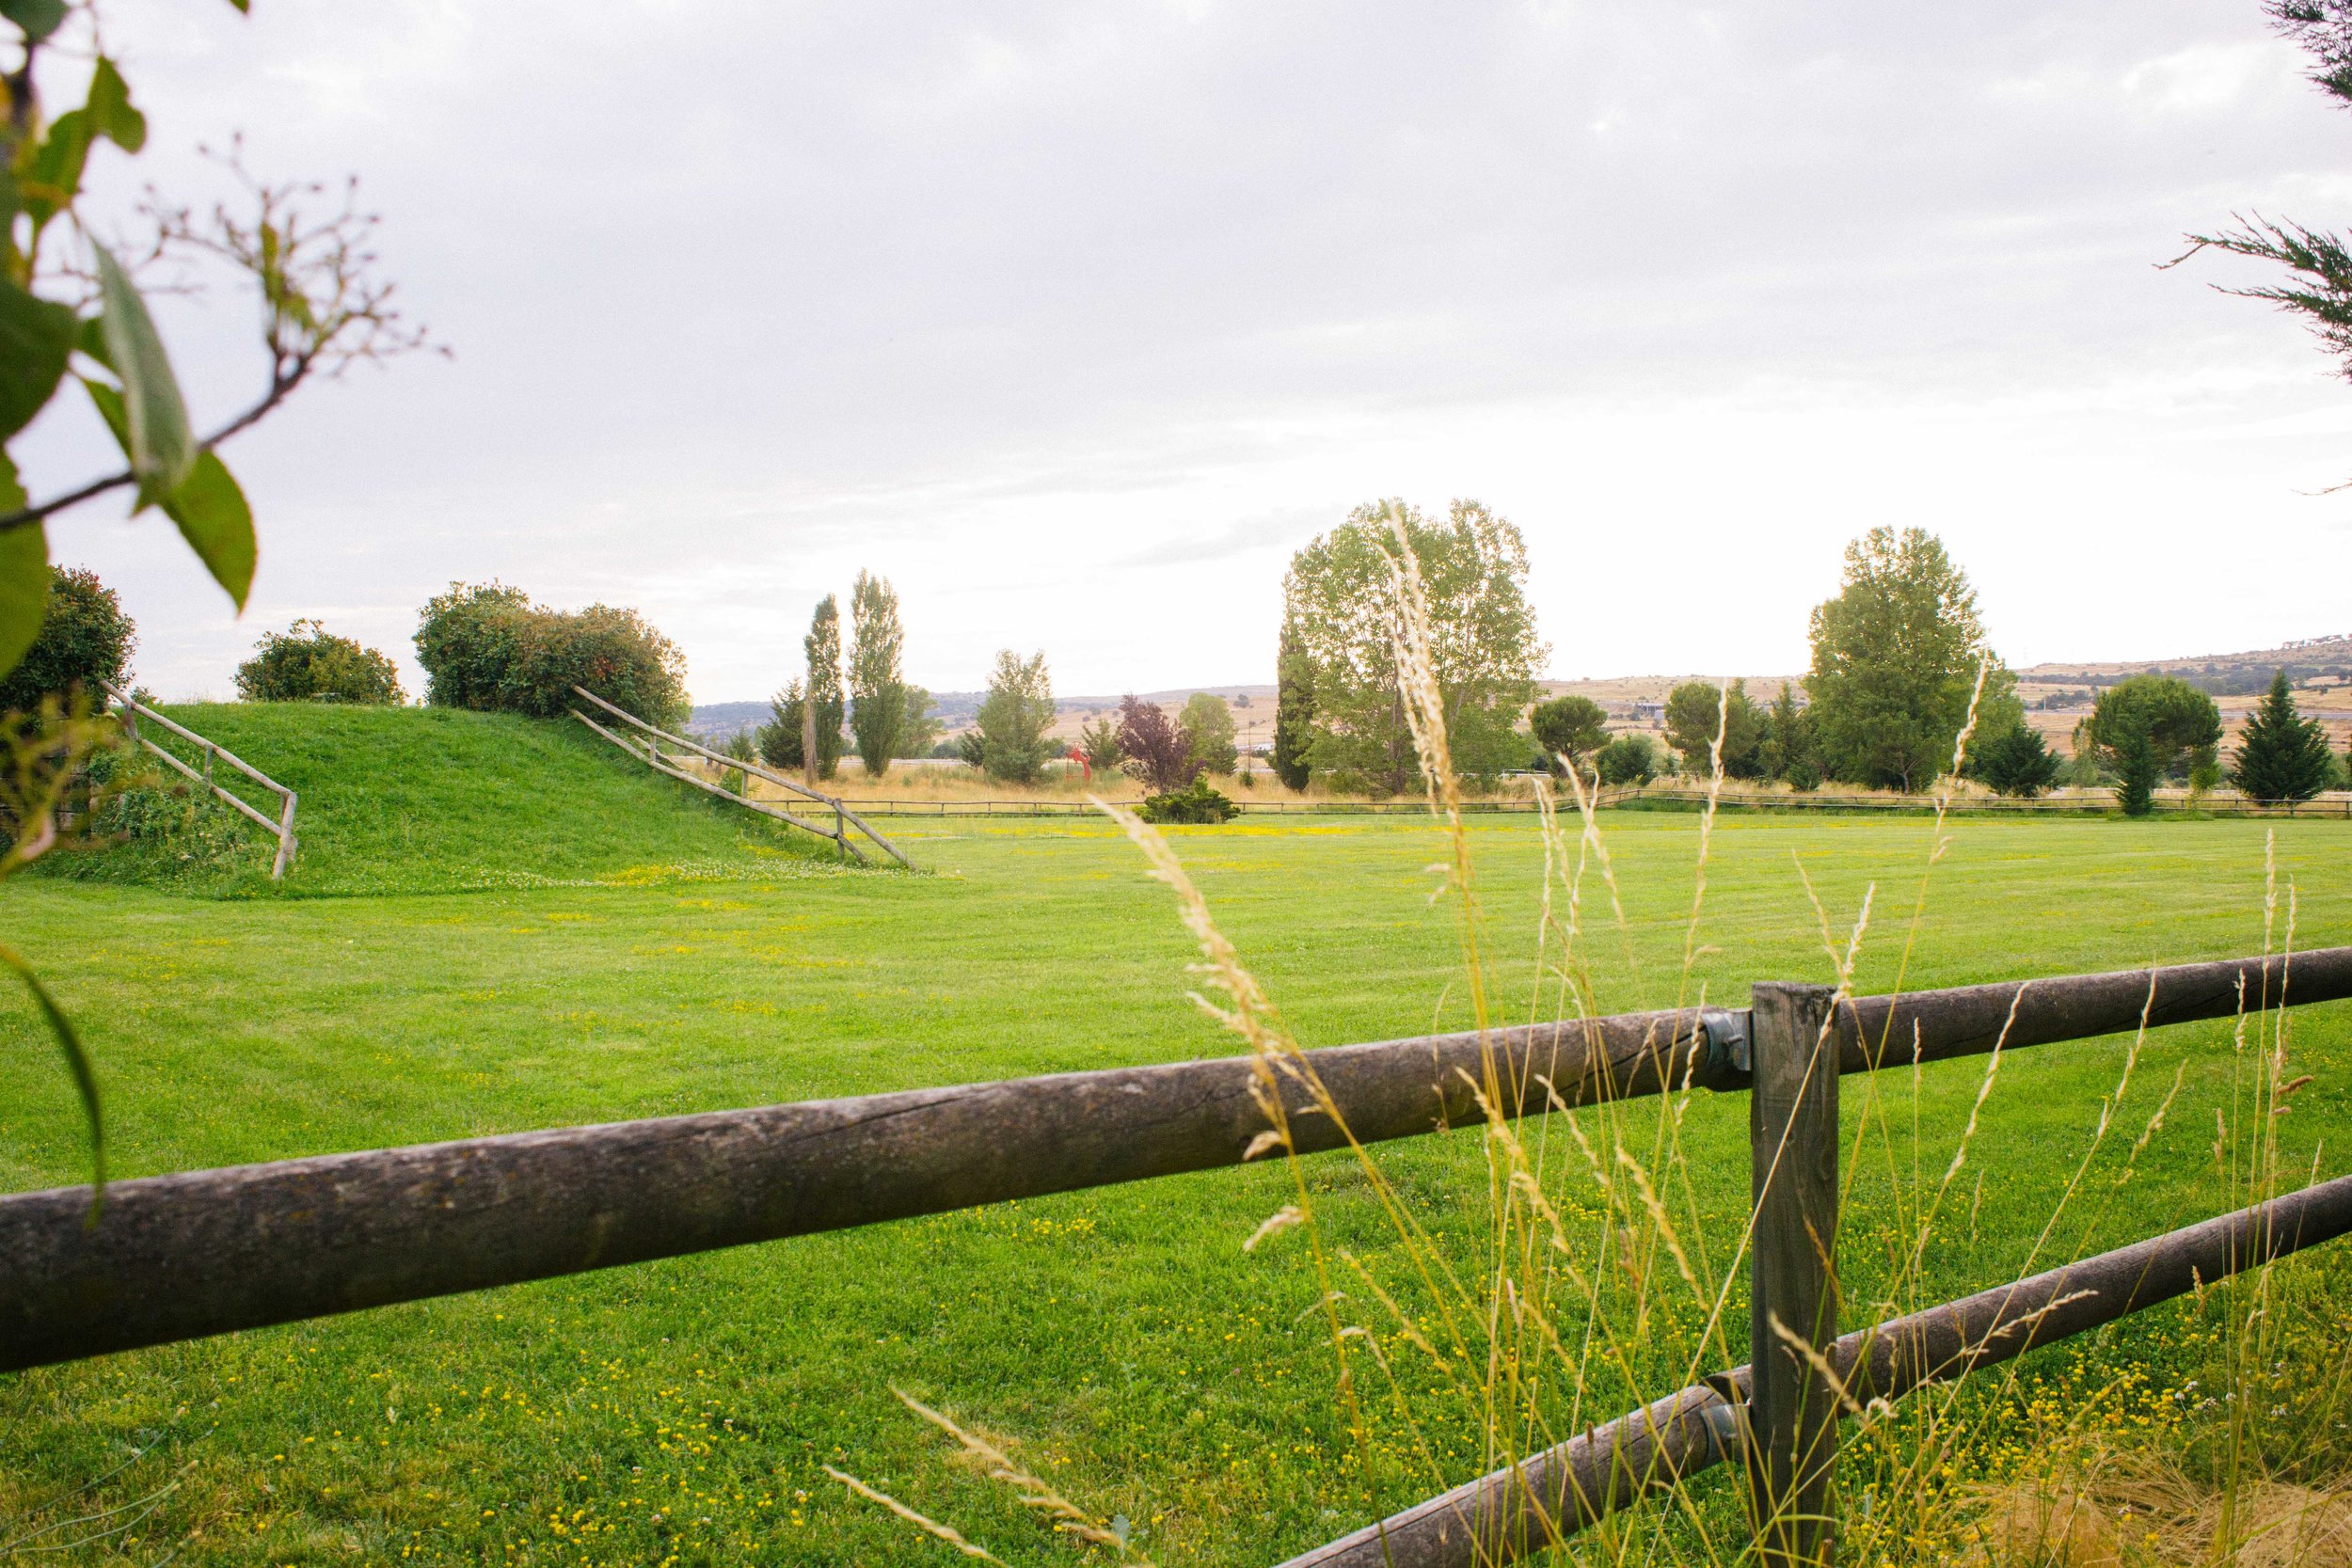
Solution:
(680, 1412)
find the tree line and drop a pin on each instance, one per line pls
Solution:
(1900, 670)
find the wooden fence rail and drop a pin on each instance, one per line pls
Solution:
(2077, 805)
(650, 754)
(179, 1256)
(282, 828)
(1549, 1496)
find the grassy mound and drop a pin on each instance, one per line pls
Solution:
(434, 799)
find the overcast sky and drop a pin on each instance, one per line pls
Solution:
(1075, 320)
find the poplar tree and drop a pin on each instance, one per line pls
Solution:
(877, 687)
(823, 688)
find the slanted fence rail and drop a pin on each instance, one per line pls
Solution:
(175, 1258)
(646, 748)
(130, 710)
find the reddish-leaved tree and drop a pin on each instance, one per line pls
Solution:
(1159, 750)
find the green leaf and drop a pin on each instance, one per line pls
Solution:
(209, 506)
(39, 18)
(109, 108)
(92, 340)
(77, 1061)
(24, 578)
(109, 404)
(36, 338)
(162, 451)
(53, 177)
(217, 524)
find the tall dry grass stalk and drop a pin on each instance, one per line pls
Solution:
(1600, 1276)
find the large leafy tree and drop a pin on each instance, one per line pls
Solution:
(2147, 726)
(1342, 599)
(1294, 710)
(1896, 656)
(1210, 719)
(1572, 727)
(1014, 717)
(822, 688)
(2281, 754)
(72, 310)
(877, 687)
(1696, 709)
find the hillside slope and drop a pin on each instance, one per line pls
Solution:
(435, 800)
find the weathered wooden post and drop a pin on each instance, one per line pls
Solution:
(808, 731)
(285, 838)
(1792, 1134)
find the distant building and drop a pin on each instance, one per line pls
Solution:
(1649, 713)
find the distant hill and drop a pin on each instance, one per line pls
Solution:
(959, 710)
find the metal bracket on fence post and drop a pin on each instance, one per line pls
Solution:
(1792, 1133)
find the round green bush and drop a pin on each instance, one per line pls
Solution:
(487, 647)
(307, 663)
(85, 639)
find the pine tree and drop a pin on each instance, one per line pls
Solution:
(2281, 755)
(779, 739)
(1294, 711)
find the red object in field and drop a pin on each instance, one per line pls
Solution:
(1080, 758)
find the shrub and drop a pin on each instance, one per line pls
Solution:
(1195, 803)
(85, 639)
(172, 826)
(1803, 775)
(486, 646)
(307, 663)
(1630, 759)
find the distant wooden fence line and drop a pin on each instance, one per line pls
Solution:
(132, 710)
(648, 751)
(2073, 805)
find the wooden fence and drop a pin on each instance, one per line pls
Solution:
(648, 749)
(2101, 804)
(282, 828)
(176, 1258)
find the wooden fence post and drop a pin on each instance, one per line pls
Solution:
(808, 731)
(1792, 1133)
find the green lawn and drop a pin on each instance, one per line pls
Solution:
(1147, 1365)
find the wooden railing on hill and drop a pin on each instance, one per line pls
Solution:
(648, 749)
(130, 710)
(176, 1258)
